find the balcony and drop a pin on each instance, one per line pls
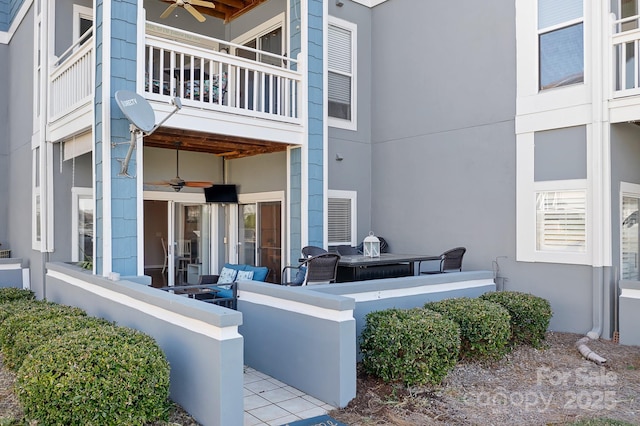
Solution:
(71, 83)
(238, 91)
(625, 39)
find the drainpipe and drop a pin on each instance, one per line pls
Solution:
(598, 302)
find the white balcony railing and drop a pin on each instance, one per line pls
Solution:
(72, 78)
(210, 78)
(626, 56)
(203, 77)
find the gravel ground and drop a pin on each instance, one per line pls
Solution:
(553, 385)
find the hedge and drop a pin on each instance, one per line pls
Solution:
(106, 376)
(485, 329)
(11, 294)
(414, 346)
(41, 329)
(530, 315)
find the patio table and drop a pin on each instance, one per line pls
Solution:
(358, 267)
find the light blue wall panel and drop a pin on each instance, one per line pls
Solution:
(122, 67)
(295, 206)
(4, 15)
(316, 125)
(98, 240)
(14, 8)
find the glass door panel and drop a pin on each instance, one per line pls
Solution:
(192, 242)
(270, 239)
(260, 236)
(629, 239)
(247, 234)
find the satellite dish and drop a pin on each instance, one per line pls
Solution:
(137, 110)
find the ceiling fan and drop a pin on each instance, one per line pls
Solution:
(188, 4)
(177, 183)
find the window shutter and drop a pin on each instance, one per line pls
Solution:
(339, 221)
(561, 221)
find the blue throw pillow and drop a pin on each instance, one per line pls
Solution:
(259, 272)
(300, 275)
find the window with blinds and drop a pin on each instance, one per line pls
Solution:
(340, 63)
(561, 221)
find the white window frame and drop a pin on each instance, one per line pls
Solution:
(80, 12)
(274, 23)
(353, 197)
(558, 27)
(351, 124)
(631, 190)
(78, 193)
(527, 189)
(533, 107)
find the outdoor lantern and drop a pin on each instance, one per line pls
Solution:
(371, 246)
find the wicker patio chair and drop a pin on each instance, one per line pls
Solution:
(312, 251)
(450, 260)
(321, 268)
(345, 250)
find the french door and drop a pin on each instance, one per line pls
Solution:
(260, 235)
(180, 236)
(190, 224)
(630, 232)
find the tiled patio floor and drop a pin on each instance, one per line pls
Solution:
(270, 402)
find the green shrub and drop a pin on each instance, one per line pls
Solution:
(42, 329)
(105, 376)
(413, 346)
(530, 315)
(8, 309)
(19, 320)
(10, 294)
(484, 326)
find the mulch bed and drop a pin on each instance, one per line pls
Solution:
(553, 385)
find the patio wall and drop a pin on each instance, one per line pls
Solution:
(307, 336)
(14, 273)
(200, 340)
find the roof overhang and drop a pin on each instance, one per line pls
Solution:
(229, 147)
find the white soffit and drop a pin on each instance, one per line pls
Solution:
(78, 145)
(369, 3)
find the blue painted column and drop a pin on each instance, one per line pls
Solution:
(295, 155)
(316, 126)
(116, 195)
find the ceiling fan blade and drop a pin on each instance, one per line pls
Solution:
(168, 10)
(194, 12)
(198, 184)
(162, 183)
(203, 3)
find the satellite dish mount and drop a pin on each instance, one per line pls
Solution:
(142, 118)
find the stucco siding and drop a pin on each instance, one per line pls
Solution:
(19, 130)
(4, 142)
(353, 172)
